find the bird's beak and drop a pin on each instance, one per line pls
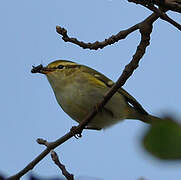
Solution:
(41, 69)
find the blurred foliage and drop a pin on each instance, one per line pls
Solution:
(163, 139)
(33, 177)
(2, 177)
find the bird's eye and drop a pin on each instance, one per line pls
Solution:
(60, 66)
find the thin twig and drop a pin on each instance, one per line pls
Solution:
(162, 14)
(173, 5)
(61, 166)
(42, 142)
(96, 45)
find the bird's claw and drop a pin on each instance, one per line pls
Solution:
(76, 133)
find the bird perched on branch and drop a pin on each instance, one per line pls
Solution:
(79, 88)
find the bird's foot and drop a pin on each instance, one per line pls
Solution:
(76, 132)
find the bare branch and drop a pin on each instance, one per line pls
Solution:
(96, 45)
(174, 5)
(61, 166)
(162, 14)
(42, 142)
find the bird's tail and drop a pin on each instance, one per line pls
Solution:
(147, 118)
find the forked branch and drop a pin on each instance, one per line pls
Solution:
(159, 12)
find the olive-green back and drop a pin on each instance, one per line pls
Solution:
(110, 83)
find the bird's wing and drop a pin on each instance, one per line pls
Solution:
(110, 83)
(132, 101)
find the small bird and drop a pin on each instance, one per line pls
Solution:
(79, 88)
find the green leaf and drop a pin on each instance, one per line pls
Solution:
(163, 139)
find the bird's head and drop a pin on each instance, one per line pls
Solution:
(57, 66)
(58, 72)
